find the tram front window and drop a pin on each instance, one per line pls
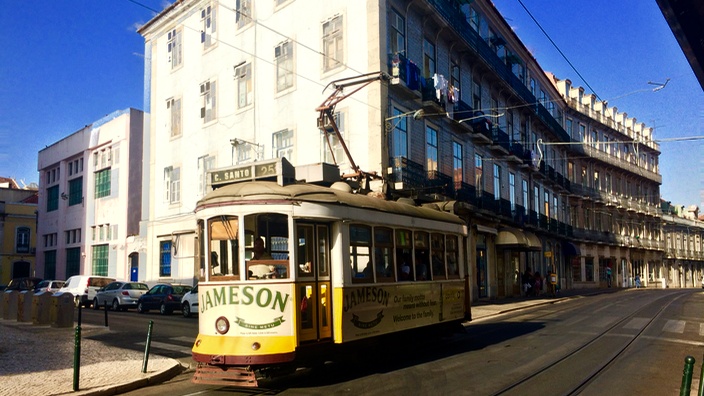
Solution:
(267, 246)
(223, 245)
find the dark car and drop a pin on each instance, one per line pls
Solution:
(165, 297)
(23, 284)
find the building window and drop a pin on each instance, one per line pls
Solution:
(476, 95)
(497, 182)
(73, 261)
(173, 106)
(208, 30)
(52, 198)
(208, 110)
(597, 185)
(397, 33)
(478, 174)
(428, 58)
(22, 240)
(243, 76)
(457, 160)
(172, 183)
(554, 206)
(243, 11)
(332, 43)
(282, 144)
(546, 203)
(165, 258)
(175, 47)
(100, 260)
(431, 148)
(50, 264)
(512, 190)
(455, 81)
(75, 191)
(102, 183)
(334, 153)
(399, 144)
(75, 166)
(205, 164)
(526, 199)
(536, 198)
(283, 54)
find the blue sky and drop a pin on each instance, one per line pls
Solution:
(65, 64)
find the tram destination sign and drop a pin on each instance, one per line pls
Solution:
(277, 169)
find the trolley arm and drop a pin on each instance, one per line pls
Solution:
(327, 109)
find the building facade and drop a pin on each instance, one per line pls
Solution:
(461, 115)
(18, 225)
(90, 197)
(683, 261)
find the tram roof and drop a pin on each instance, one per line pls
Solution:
(263, 190)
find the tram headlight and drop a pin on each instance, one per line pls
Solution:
(222, 325)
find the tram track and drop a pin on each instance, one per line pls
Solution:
(546, 375)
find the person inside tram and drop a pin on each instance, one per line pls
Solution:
(259, 252)
(404, 269)
(421, 268)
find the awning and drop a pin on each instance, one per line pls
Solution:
(570, 249)
(533, 241)
(511, 237)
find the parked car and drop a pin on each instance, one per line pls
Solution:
(49, 286)
(165, 297)
(26, 283)
(189, 302)
(84, 287)
(120, 295)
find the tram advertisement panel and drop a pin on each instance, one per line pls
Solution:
(374, 310)
(251, 309)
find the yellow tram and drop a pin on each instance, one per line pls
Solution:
(285, 266)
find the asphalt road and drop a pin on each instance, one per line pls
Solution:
(661, 327)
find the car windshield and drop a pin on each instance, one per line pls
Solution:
(181, 289)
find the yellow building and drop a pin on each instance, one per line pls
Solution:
(18, 219)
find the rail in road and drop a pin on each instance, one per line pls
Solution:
(588, 359)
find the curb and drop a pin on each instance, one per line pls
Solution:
(153, 379)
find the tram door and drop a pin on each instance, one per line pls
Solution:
(314, 294)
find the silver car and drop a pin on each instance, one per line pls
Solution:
(120, 295)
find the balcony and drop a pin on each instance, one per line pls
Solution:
(466, 193)
(405, 76)
(456, 21)
(516, 151)
(505, 208)
(431, 103)
(499, 139)
(487, 202)
(440, 183)
(407, 174)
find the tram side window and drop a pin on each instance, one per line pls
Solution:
(267, 246)
(201, 248)
(453, 270)
(438, 252)
(360, 260)
(383, 259)
(223, 245)
(404, 248)
(421, 259)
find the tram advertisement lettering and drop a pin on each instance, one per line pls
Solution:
(365, 295)
(262, 297)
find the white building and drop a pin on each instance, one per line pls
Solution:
(224, 89)
(90, 200)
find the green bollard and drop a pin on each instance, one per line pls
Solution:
(687, 376)
(148, 345)
(76, 358)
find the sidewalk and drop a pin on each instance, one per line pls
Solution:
(483, 309)
(39, 359)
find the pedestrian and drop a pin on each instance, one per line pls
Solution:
(537, 283)
(527, 281)
(637, 281)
